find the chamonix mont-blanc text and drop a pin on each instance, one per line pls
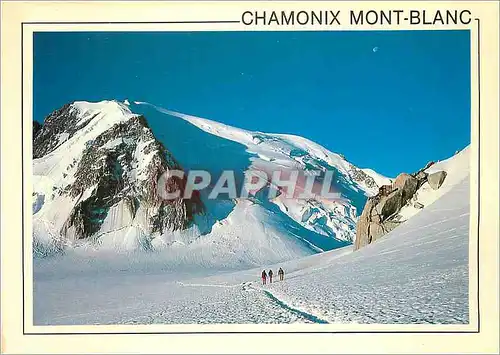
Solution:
(356, 17)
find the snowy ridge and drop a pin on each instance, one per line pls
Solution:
(95, 189)
(279, 147)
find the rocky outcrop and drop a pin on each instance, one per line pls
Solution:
(380, 214)
(436, 179)
(407, 185)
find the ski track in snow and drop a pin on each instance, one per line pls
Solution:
(287, 307)
(237, 304)
(262, 307)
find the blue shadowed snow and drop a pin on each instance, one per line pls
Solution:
(194, 148)
(339, 184)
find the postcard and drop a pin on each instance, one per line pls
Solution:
(250, 177)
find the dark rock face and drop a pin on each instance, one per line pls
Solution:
(378, 216)
(120, 166)
(111, 170)
(58, 127)
(421, 177)
(36, 128)
(389, 204)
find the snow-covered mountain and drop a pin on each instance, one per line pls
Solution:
(94, 170)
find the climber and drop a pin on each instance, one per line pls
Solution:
(281, 274)
(264, 277)
(270, 276)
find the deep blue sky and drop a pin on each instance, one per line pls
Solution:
(392, 108)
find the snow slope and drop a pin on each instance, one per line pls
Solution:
(238, 233)
(418, 273)
(285, 149)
